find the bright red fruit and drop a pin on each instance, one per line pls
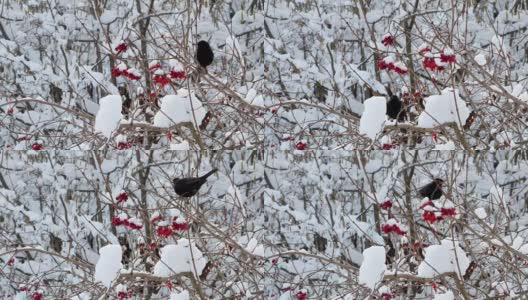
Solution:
(178, 75)
(162, 80)
(448, 212)
(122, 197)
(429, 216)
(122, 47)
(447, 58)
(300, 146)
(302, 295)
(388, 40)
(386, 204)
(164, 231)
(37, 146)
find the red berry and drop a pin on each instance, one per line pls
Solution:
(386, 205)
(302, 295)
(448, 212)
(178, 75)
(447, 58)
(37, 146)
(122, 47)
(36, 296)
(429, 63)
(162, 80)
(388, 40)
(300, 146)
(429, 216)
(164, 231)
(122, 197)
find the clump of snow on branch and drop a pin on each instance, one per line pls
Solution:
(447, 257)
(180, 258)
(445, 296)
(180, 296)
(109, 264)
(373, 117)
(254, 248)
(445, 108)
(109, 115)
(253, 98)
(373, 266)
(180, 108)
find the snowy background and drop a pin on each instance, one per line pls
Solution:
(269, 225)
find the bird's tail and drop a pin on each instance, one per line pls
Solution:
(209, 173)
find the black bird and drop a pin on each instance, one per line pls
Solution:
(433, 190)
(188, 187)
(204, 54)
(395, 109)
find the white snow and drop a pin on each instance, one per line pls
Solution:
(373, 266)
(444, 258)
(180, 108)
(180, 296)
(373, 117)
(255, 248)
(481, 59)
(253, 98)
(109, 115)
(445, 296)
(481, 213)
(180, 258)
(233, 48)
(180, 146)
(450, 145)
(445, 108)
(109, 264)
(498, 198)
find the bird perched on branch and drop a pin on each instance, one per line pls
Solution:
(395, 109)
(432, 190)
(188, 187)
(204, 54)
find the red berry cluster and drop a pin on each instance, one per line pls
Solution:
(392, 227)
(301, 146)
(388, 40)
(432, 215)
(122, 197)
(165, 230)
(37, 146)
(386, 205)
(302, 295)
(123, 220)
(124, 145)
(121, 47)
(388, 63)
(121, 70)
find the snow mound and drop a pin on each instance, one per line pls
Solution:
(253, 98)
(184, 145)
(255, 248)
(180, 108)
(373, 117)
(180, 296)
(445, 296)
(373, 266)
(450, 145)
(109, 264)
(109, 115)
(181, 258)
(481, 59)
(445, 108)
(444, 258)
